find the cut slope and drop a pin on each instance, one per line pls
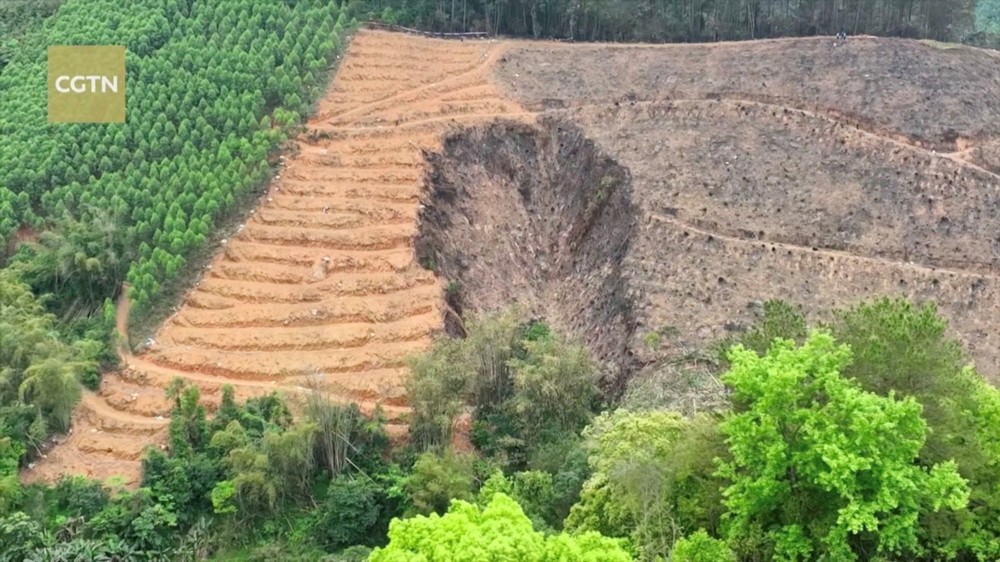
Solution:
(321, 282)
(901, 88)
(792, 169)
(536, 215)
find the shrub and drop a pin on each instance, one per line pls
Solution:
(349, 514)
(436, 480)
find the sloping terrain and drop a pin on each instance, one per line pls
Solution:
(320, 286)
(798, 169)
(939, 98)
(661, 188)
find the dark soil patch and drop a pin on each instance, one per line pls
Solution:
(536, 216)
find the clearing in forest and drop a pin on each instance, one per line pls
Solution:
(644, 199)
(320, 286)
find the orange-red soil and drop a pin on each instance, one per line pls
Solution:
(321, 284)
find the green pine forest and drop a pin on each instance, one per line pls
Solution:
(868, 437)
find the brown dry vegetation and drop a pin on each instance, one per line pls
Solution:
(664, 188)
(792, 169)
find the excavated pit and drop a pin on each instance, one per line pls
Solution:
(537, 216)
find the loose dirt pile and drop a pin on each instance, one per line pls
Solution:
(321, 285)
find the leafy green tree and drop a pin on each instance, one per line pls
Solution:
(350, 514)
(500, 531)
(188, 426)
(436, 389)
(20, 535)
(526, 385)
(36, 367)
(821, 468)
(700, 547)
(652, 479)
(532, 490)
(902, 348)
(555, 387)
(436, 480)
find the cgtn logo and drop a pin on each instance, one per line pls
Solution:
(83, 84)
(86, 84)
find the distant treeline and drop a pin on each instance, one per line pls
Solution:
(685, 20)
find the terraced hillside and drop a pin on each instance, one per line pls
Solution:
(615, 190)
(320, 285)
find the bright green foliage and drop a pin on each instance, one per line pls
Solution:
(700, 547)
(11, 452)
(202, 76)
(436, 480)
(498, 532)
(902, 348)
(652, 479)
(820, 468)
(533, 490)
(222, 495)
(39, 373)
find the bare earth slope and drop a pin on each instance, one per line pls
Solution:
(321, 282)
(667, 188)
(792, 169)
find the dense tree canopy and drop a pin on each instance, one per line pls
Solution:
(653, 479)
(203, 81)
(821, 468)
(675, 20)
(40, 374)
(500, 531)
